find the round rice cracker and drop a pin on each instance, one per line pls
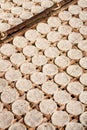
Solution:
(83, 45)
(74, 54)
(74, 70)
(83, 97)
(64, 45)
(23, 85)
(17, 126)
(9, 95)
(83, 79)
(75, 125)
(62, 78)
(38, 78)
(43, 28)
(35, 95)
(20, 107)
(6, 119)
(60, 118)
(45, 106)
(3, 84)
(75, 9)
(7, 49)
(5, 65)
(75, 37)
(54, 22)
(49, 87)
(50, 69)
(62, 97)
(46, 126)
(75, 22)
(13, 75)
(33, 116)
(62, 61)
(17, 43)
(64, 30)
(65, 15)
(83, 118)
(83, 62)
(75, 88)
(72, 106)
(82, 3)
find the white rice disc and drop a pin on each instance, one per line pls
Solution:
(83, 45)
(18, 2)
(4, 27)
(75, 88)
(6, 5)
(64, 45)
(47, 106)
(43, 28)
(1, 106)
(50, 69)
(33, 118)
(75, 22)
(75, 37)
(52, 52)
(13, 75)
(39, 60)
(26, 15)
(32, 35)
(75, 9)
(23, 85)
(35, 95)
(46, 126)
(82, 3)
(74, 125)
(83, 62)
(14, 21)
(20, 107)
(62, 61)
(62, 97)
(17, 59)
(3, 84)
(9, 95)
(53, 36)
(83, 118)
(28, 4)
(46, 3)
(83, 97)
(72, 106)
(60, 118)
(5, 65)
(7, 49)
(83, 15)
(17, 126)
(27, 68)
(83, 79)
(65, 15)
(74, 70)
(36, 9)
(38, 78)
(30, 51)
(62, 78)
(54, 21)
(6, 119)
(74, 54)
(19, 41)
(64, 30)
(16, 10)
(83, 30)
(49, 87)
(7, 16)
(42, 43)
